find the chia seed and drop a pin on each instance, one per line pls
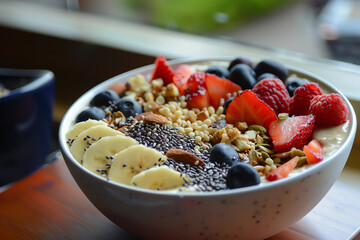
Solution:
(207, 178)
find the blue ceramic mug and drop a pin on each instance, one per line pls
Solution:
(25, 121)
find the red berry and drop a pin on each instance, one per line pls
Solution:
(219, 88)
(162, 70)
(273, 92)
(329, 110)
(283, 171)
(291, 132)
(313, 152)
(198, 99)
(181, 76)
(247, 107)
(300, 102)
(196, 81)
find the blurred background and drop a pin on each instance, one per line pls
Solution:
(85, 42)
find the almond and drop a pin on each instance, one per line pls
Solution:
(119, 88)
(185, 157)
(150, 117)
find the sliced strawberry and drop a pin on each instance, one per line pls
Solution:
(313, 152)
(219, 88)
(198, 99)
(162, 70)
(283, 171)
(291, 132)
(247, 107)
(195, 82)
(181, 76)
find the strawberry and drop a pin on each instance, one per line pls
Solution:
(313, 152)
(247, 107)
(198, 99)
(300, 102)
(274, 93)
(291, 132)
(283, 171)
(329, 110)
(181, 76)
(162, 70)
(196, 81)
(219, 88)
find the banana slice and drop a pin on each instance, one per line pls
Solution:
(100, 153)
(133, 160)
(160, 178)
(89, 136)
(82, 126)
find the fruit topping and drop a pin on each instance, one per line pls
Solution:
(247, 107)
(240, 60)
(265, 75)
(242, 175)
(104, 99)
(300, 102)
(283, 171)
(293, 84)
(243, 75)
(181, 76)
(90, 113)
(219, 88)
(129, 107)
(273, 92)
(162, 70)
(195, 82)
(313, 152)
(198, 99)
(224, 153)
(274, 67)
(291, 132)
(227, 102)
(329, 110)
(218, 71)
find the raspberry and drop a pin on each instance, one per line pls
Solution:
(273, 92)
(300, 102)
(329, 110)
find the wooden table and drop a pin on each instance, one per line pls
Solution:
(49, 205)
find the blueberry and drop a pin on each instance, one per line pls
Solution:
(90, 113)
(271, 66)
(218, 71)
(227, 102)
(104, 98)
(243, 75)
(265, 75)
(242, 175)
(240, 60)
(223, 153)
(293, 84)
(129, 107)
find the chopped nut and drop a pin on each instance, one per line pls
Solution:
(185, 157)
(157, 84)
(202, 116)
(171, 90)
(150, 106)
(242, 126)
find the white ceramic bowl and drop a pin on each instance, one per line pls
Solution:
(254, 212)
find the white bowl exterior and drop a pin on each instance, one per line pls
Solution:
(252, 213)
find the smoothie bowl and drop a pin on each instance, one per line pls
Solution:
(208, 148)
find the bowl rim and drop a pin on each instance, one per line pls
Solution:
(81, 101)
(41, 78)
